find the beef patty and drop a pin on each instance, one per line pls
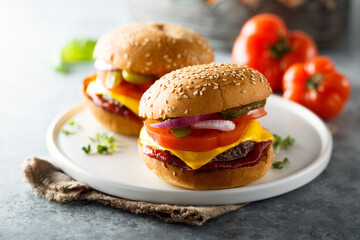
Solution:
(234, 153)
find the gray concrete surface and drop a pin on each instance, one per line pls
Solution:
(31, 95)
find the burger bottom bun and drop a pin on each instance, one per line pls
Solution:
(217, 179)
(113, 121)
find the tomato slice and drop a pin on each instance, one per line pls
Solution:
(125, 88)
(202, 140)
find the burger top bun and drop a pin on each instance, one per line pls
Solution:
(203, 89)
(153, 48)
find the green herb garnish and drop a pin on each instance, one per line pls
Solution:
(86, 149)
(66, 132)
(70, 128)
(281, 164)
(102, 149)
(280, 143)
(104, 143)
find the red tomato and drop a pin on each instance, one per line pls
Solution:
(265, 44)
(318, 86)
(201, 140)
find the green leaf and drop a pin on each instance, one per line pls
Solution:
(281, 164)
(66, 132)
(78, 50)
(280, 143)
(102, 149)
(86, 149)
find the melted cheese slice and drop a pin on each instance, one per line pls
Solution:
(254, 132)
(97, 87)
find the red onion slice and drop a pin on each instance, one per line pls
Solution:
(222, 125)
(183, 121)
(101, 65)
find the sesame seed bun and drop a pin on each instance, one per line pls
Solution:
(203, 89)
(225, 178)
(153, 48)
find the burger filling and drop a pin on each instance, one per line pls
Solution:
(118, 88)
(252, 157)
(209, 139)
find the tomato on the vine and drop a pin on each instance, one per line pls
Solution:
(265, 44)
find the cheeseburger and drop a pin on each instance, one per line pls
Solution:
(129, 60)
(201, 129)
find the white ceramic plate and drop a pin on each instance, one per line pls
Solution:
(123, 174)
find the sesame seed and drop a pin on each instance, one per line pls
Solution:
(243, 91)
(168, 66)
(177, 97)
(151, 105)
(203, 89)
(186, 111)
(186, 96)
(201, 93)
(211, 77)
(165, 56)
(166, 101)
(215, 83)
(179, 55)
(174, 173)
(173, 90)
(224, 79)
(147, 55)
(237, 84)
(181, 93)
(126, 55)
(234, 81)
(147, 68)
(161, 111)
(253, 82)
(216, 87)
(168, 60)
(196, 92)
(189, 87)
(173, 108)
(148, 63)
(198, 86)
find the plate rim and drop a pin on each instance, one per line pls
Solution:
(181, 196)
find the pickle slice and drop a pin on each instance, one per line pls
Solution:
(137, 78)
(181, 132)
(238, 111)
(113, 78)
